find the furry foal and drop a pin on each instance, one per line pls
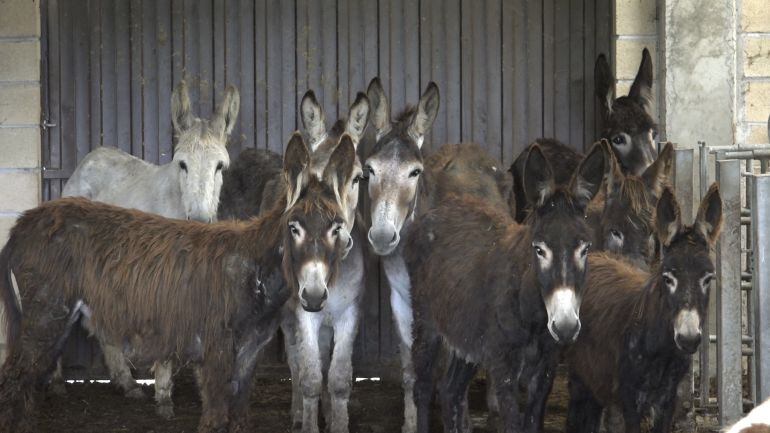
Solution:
(639, 329)
(498, 294)
(164, 288)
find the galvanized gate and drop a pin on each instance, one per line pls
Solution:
(508, 70)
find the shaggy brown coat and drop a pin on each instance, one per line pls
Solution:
(164, 287)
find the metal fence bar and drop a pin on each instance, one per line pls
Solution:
(705, 344)
(760, 234)
(729, 294)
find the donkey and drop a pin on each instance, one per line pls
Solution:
(163, 288)
(399, 191)
(313, 319)
(757, 421)
(624, 223)
(627, 123)
(186, 188)
(641, 329)
(499, 294)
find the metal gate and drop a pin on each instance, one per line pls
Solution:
(508, 70)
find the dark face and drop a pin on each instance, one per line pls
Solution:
(313, 246)
(626, 233)
(560, 244)
(560, 235)
(628, 122)
(686, 270)
(685, 275)
(395, 165)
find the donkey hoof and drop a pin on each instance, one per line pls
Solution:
(57, 388)
(135, 393)
(165, 411)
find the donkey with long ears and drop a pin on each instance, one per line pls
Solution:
(498, 294)
(164, 288)
(186, 188)
(627, 123)
(312, 320)
(640, 329)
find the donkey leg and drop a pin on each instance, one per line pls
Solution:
(325, 350)
(584, 412)
(243, 378)
(291, 344)
(538, 389)
(31, 360)
(164, 385)
(56, 384)
(120, 372)
(311, 377)
(402, 310)
(504, 374)
(341, 368)
(213, 377)
(424, 350)
(454, 395)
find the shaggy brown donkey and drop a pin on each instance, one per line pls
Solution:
(639, 329)
(498, 294)
(165, 288)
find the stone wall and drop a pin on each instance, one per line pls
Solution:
(753, 72)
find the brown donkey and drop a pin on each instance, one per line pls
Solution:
(498, 294)
(165, 288)
(640, 329)
(627, 124)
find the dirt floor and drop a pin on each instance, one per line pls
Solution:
(375, 407)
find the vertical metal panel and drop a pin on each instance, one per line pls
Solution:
(729, 294)
(760, 221)
(164, 85)
(135, 47)
(535, 68)
(247, 81)
(122, 108)
(589, 55)
(149, 81)
(576, 61)
(705, 344)
(561, 75)
(683, 172)
(94, 76)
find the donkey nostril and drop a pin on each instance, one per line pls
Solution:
(395, 238)
(325, 295)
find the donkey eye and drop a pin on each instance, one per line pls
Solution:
(336, 231)
(416, 172)
(707, 281)
(183, 165)
(357, 179)
(539, 251)
(619, 139)
(368, 171)
(294, 230)
(584, 251)
(668, 280)
(616, 234)
(219, 166)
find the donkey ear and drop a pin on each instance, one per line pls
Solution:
(380, 111)
(641, 90)
(357, 118)
(295, 162)
(604, 84)
(588, 177)
(668, 219)
(427, 109)
(181, 109)
(339, 170)
(313, 118)
(657, 175)
(613, 174)
(539, 182)
(709, 219)
(227, 113)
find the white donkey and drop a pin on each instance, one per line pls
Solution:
(186, 188)
(311, 320)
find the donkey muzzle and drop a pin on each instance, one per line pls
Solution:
(563, 320)
(687, 330)
(313, 292)
(312, 301)
(384, 239)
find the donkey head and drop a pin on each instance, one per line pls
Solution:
(313, 223)
(628, 122)
(686, 269)
(627, 227)
(325, 144)
(201, 154)
(395, 164)
(560, 235)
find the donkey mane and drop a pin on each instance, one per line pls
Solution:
(642, 203)
(561, 200)
(633, 115)
(194, 266)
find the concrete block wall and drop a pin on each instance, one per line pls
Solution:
(20, 108)
(753, 72)
(636, 28)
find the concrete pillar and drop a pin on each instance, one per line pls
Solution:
(20, 108)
